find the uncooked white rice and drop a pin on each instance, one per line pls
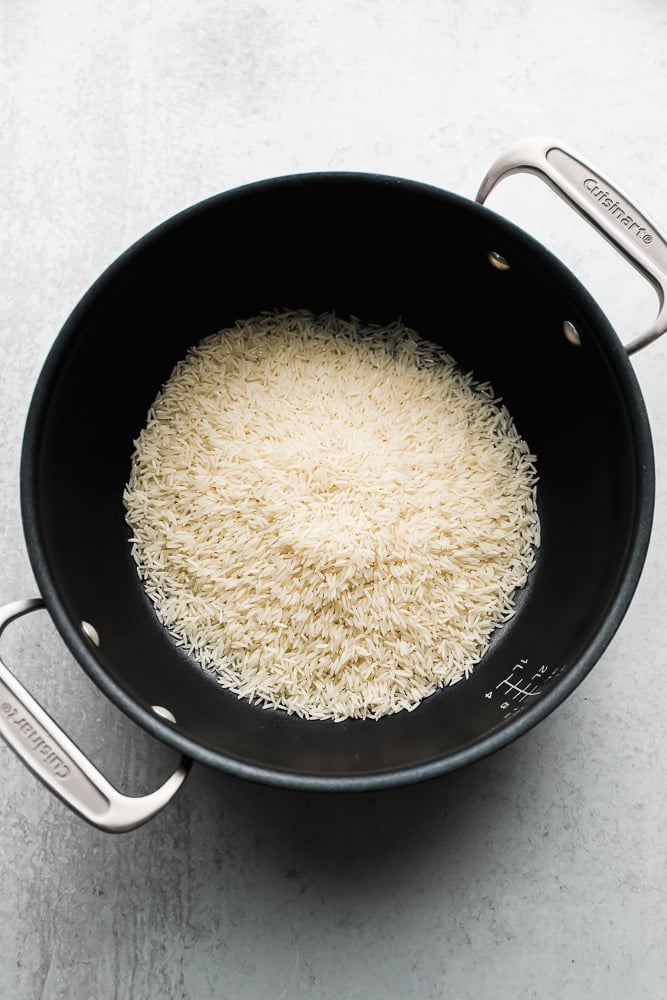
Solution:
(333, 517)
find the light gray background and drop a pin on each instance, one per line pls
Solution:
(537, 873)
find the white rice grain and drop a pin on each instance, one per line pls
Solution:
(333, 517)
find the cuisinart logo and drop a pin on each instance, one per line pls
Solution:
(606, 200)
(35, 742)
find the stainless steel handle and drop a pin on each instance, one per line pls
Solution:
(55, 759)
(602, 203)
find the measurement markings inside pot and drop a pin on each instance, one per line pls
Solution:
(518, 686)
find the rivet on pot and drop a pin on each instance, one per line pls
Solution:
(164, 713)
(571, 333)
(495, 259)
(90, 631)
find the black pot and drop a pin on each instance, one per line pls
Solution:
(378, 248)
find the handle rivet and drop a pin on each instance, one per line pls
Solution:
(497, 261)
(164, 713)
(571, 333)
(91, 632)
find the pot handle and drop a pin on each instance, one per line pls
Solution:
(602, 203)
(54, 758)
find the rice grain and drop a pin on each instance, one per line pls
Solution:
(331, 516)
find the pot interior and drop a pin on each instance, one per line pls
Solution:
(379, 249)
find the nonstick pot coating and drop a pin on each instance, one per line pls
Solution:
(377, 248)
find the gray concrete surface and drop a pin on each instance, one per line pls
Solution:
(538, 873)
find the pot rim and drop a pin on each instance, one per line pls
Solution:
(502, 735)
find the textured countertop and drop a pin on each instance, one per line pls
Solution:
(537, 873)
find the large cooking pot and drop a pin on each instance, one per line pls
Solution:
(378, 248)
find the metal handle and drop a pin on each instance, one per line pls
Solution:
(55, 759)
(602, 203)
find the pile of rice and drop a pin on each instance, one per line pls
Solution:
(332, 517)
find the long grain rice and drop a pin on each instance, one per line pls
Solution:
(331, 516)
